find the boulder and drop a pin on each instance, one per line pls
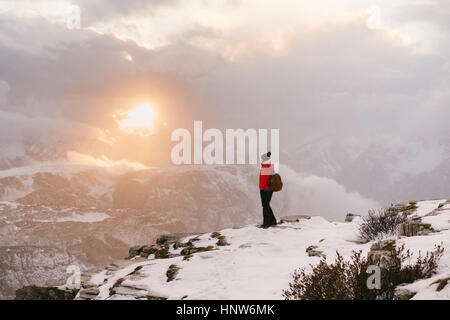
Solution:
(222, 241)
(172, 272)
(135, 251)
(350, 216)
(414, 228)
(162, 253)
(382, 253)
(403, 294)
(408, 229)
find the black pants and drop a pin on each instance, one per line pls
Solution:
(268, 217)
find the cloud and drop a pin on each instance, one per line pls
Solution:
(101, 11)
(4, 89)
(336, 79)
(435, 11)
(118, 167)
(25, 139)
(305, 194)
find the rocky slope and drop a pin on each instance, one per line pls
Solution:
(254, 263)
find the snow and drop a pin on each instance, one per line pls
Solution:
(87, 217)
(258, 263)
(425, 207)
(439, 222)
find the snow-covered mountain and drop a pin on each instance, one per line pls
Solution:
(254, 263)
(90, 215)
(385, 170)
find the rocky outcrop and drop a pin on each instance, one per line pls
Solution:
(44, 293)
(23, 266)
(382, 253)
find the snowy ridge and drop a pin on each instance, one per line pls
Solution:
(257, 263)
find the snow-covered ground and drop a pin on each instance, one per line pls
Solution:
(258, 263)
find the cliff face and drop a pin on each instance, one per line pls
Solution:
(255, 263)
(24, 265)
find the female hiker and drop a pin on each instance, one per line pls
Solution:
(267, 169)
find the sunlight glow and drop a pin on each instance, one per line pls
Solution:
(139, 120)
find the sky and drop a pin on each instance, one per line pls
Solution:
(338, 78)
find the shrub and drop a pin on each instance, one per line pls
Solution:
(347, 280)
(381, 223)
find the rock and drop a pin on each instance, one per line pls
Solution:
(112, 267)
(403, 294)
(187, 257)
(383, 245)
(442, 283)
(294, 218)
(190, 250)
(134, 251)
(162, 253)
(414, 228)
(382, 253)
(350, 216)
(44, 293)
(89, 293)
(172, 272)
(150, 249)
(171, 238)
(312, 252)
(177, 245)
(408, 229)
(222, 241)
(153, 296)
(130, 291)
(144, 254)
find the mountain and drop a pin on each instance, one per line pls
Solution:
(54, 215)
(385, 170)
(255, 263)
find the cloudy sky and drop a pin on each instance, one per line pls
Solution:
(338, 78)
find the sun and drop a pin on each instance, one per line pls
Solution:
(139, 120)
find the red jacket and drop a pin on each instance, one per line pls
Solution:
(264, 175)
